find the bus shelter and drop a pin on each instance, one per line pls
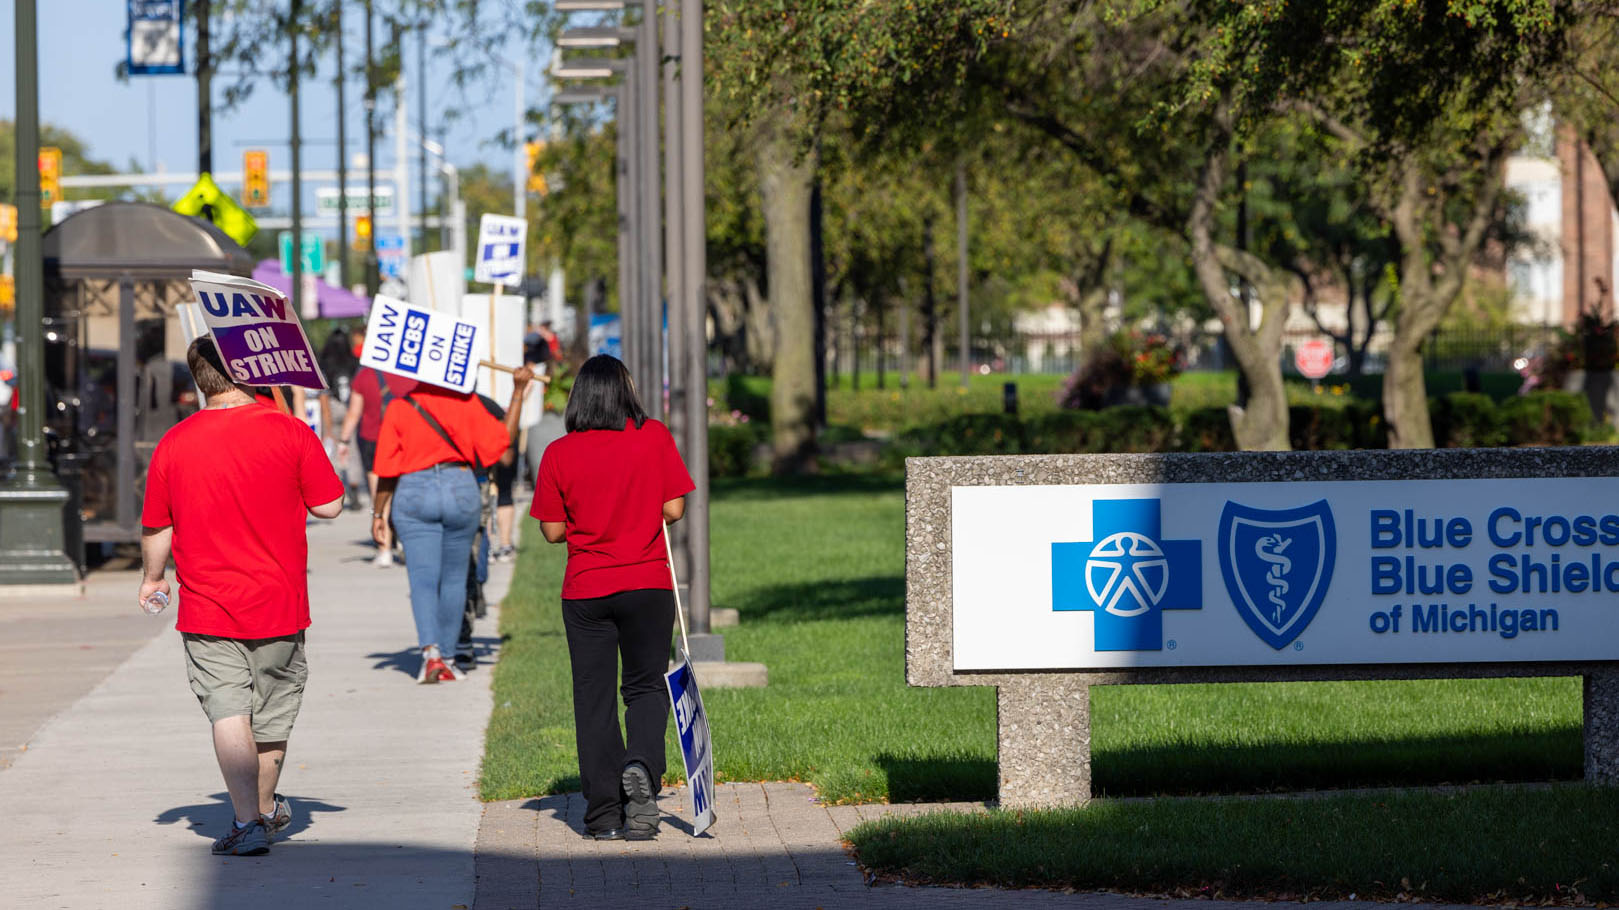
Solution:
(115, 368)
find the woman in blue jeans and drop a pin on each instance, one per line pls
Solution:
(428, 449)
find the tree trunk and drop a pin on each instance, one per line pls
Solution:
(882, 369)
(759, 335)
(930, 306)
(1428, 288)
(1261, 423)
(1405, 395)
(784, 187)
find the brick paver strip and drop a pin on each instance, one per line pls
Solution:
(773, 846)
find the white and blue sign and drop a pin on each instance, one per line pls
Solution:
(422, 344)
(156, 38)
(696, 747)
(607, 335)
(501, 239)
(1291, 574)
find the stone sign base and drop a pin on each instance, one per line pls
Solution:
(1044, 733)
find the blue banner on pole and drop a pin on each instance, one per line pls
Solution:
(156, 38)
(696, 748)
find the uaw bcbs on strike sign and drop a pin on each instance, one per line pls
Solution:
(1290, 574)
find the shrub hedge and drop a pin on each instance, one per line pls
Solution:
(1460, 420)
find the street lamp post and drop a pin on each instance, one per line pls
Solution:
(634, 305)
(32, 502)
(694, 240)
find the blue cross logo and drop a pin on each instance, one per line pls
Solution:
(1128, 575)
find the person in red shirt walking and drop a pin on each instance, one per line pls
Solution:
(371, 394)
(227, 493)
(607, 488)
(430, 445)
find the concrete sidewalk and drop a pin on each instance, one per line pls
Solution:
(115, 799)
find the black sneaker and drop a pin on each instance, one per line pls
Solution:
(465, 662)
(640, 803)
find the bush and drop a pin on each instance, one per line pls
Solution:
(1311, 428)
(749, 395)
(730, 449)
(1207, 430)
(1466, 420)
(1136, 428)
(1547, 418)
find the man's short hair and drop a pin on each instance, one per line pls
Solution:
(208, 368)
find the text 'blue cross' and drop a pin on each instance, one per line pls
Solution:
(1127, 575)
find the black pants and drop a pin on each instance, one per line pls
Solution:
(635, 625)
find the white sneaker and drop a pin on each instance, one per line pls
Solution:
(383, 559)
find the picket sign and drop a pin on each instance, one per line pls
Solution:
(259, 336)
(691, 721)
(421, 344)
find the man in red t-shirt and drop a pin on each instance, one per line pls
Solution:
(370, 394)
(227, 492)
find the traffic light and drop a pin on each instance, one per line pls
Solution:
(8, 293)
(362, 232)
(50, 174)
(536, 181)
(256, 179)
(8, 222)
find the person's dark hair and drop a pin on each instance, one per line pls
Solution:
(603, 397)
(337, 355)
(208, 368)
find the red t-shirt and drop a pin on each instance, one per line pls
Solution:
(235, 484)
(368, 383)
(407, 443)
(609, 487)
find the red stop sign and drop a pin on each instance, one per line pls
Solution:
(1313, 358)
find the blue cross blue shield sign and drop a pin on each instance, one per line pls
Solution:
(1277, 565)
(696, 748)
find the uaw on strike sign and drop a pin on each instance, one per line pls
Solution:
(258, 335)
(422, 344)
(1285, 574)
(696, 747)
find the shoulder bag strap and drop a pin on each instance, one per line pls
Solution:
(439, 429)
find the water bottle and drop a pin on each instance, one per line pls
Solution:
(155, 603)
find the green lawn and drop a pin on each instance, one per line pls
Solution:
(1488, 845)
(816, 568)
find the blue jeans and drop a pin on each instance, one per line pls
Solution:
(436, 513)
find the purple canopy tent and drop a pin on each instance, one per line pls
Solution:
(333, 302)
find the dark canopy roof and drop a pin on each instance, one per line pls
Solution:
(141, 240)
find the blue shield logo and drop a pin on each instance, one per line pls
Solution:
(1277, 566)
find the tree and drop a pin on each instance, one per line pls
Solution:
(1428, 99)
(784, 66)
(75, 160)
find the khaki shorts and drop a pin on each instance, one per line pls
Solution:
(260, 678)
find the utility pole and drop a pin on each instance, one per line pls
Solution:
(674, 254)
(342, 161)
(32, 502)
(694, 241)
(297, 178)
(421, 122)
(646, 54)
(371, 281)
(205, 96)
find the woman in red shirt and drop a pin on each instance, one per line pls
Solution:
(606, 488)
(429, 445)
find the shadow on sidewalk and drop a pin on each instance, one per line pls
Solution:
(409, 660)
(211, 820)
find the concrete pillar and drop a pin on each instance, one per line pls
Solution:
(1602, 728)
(1044, 736)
